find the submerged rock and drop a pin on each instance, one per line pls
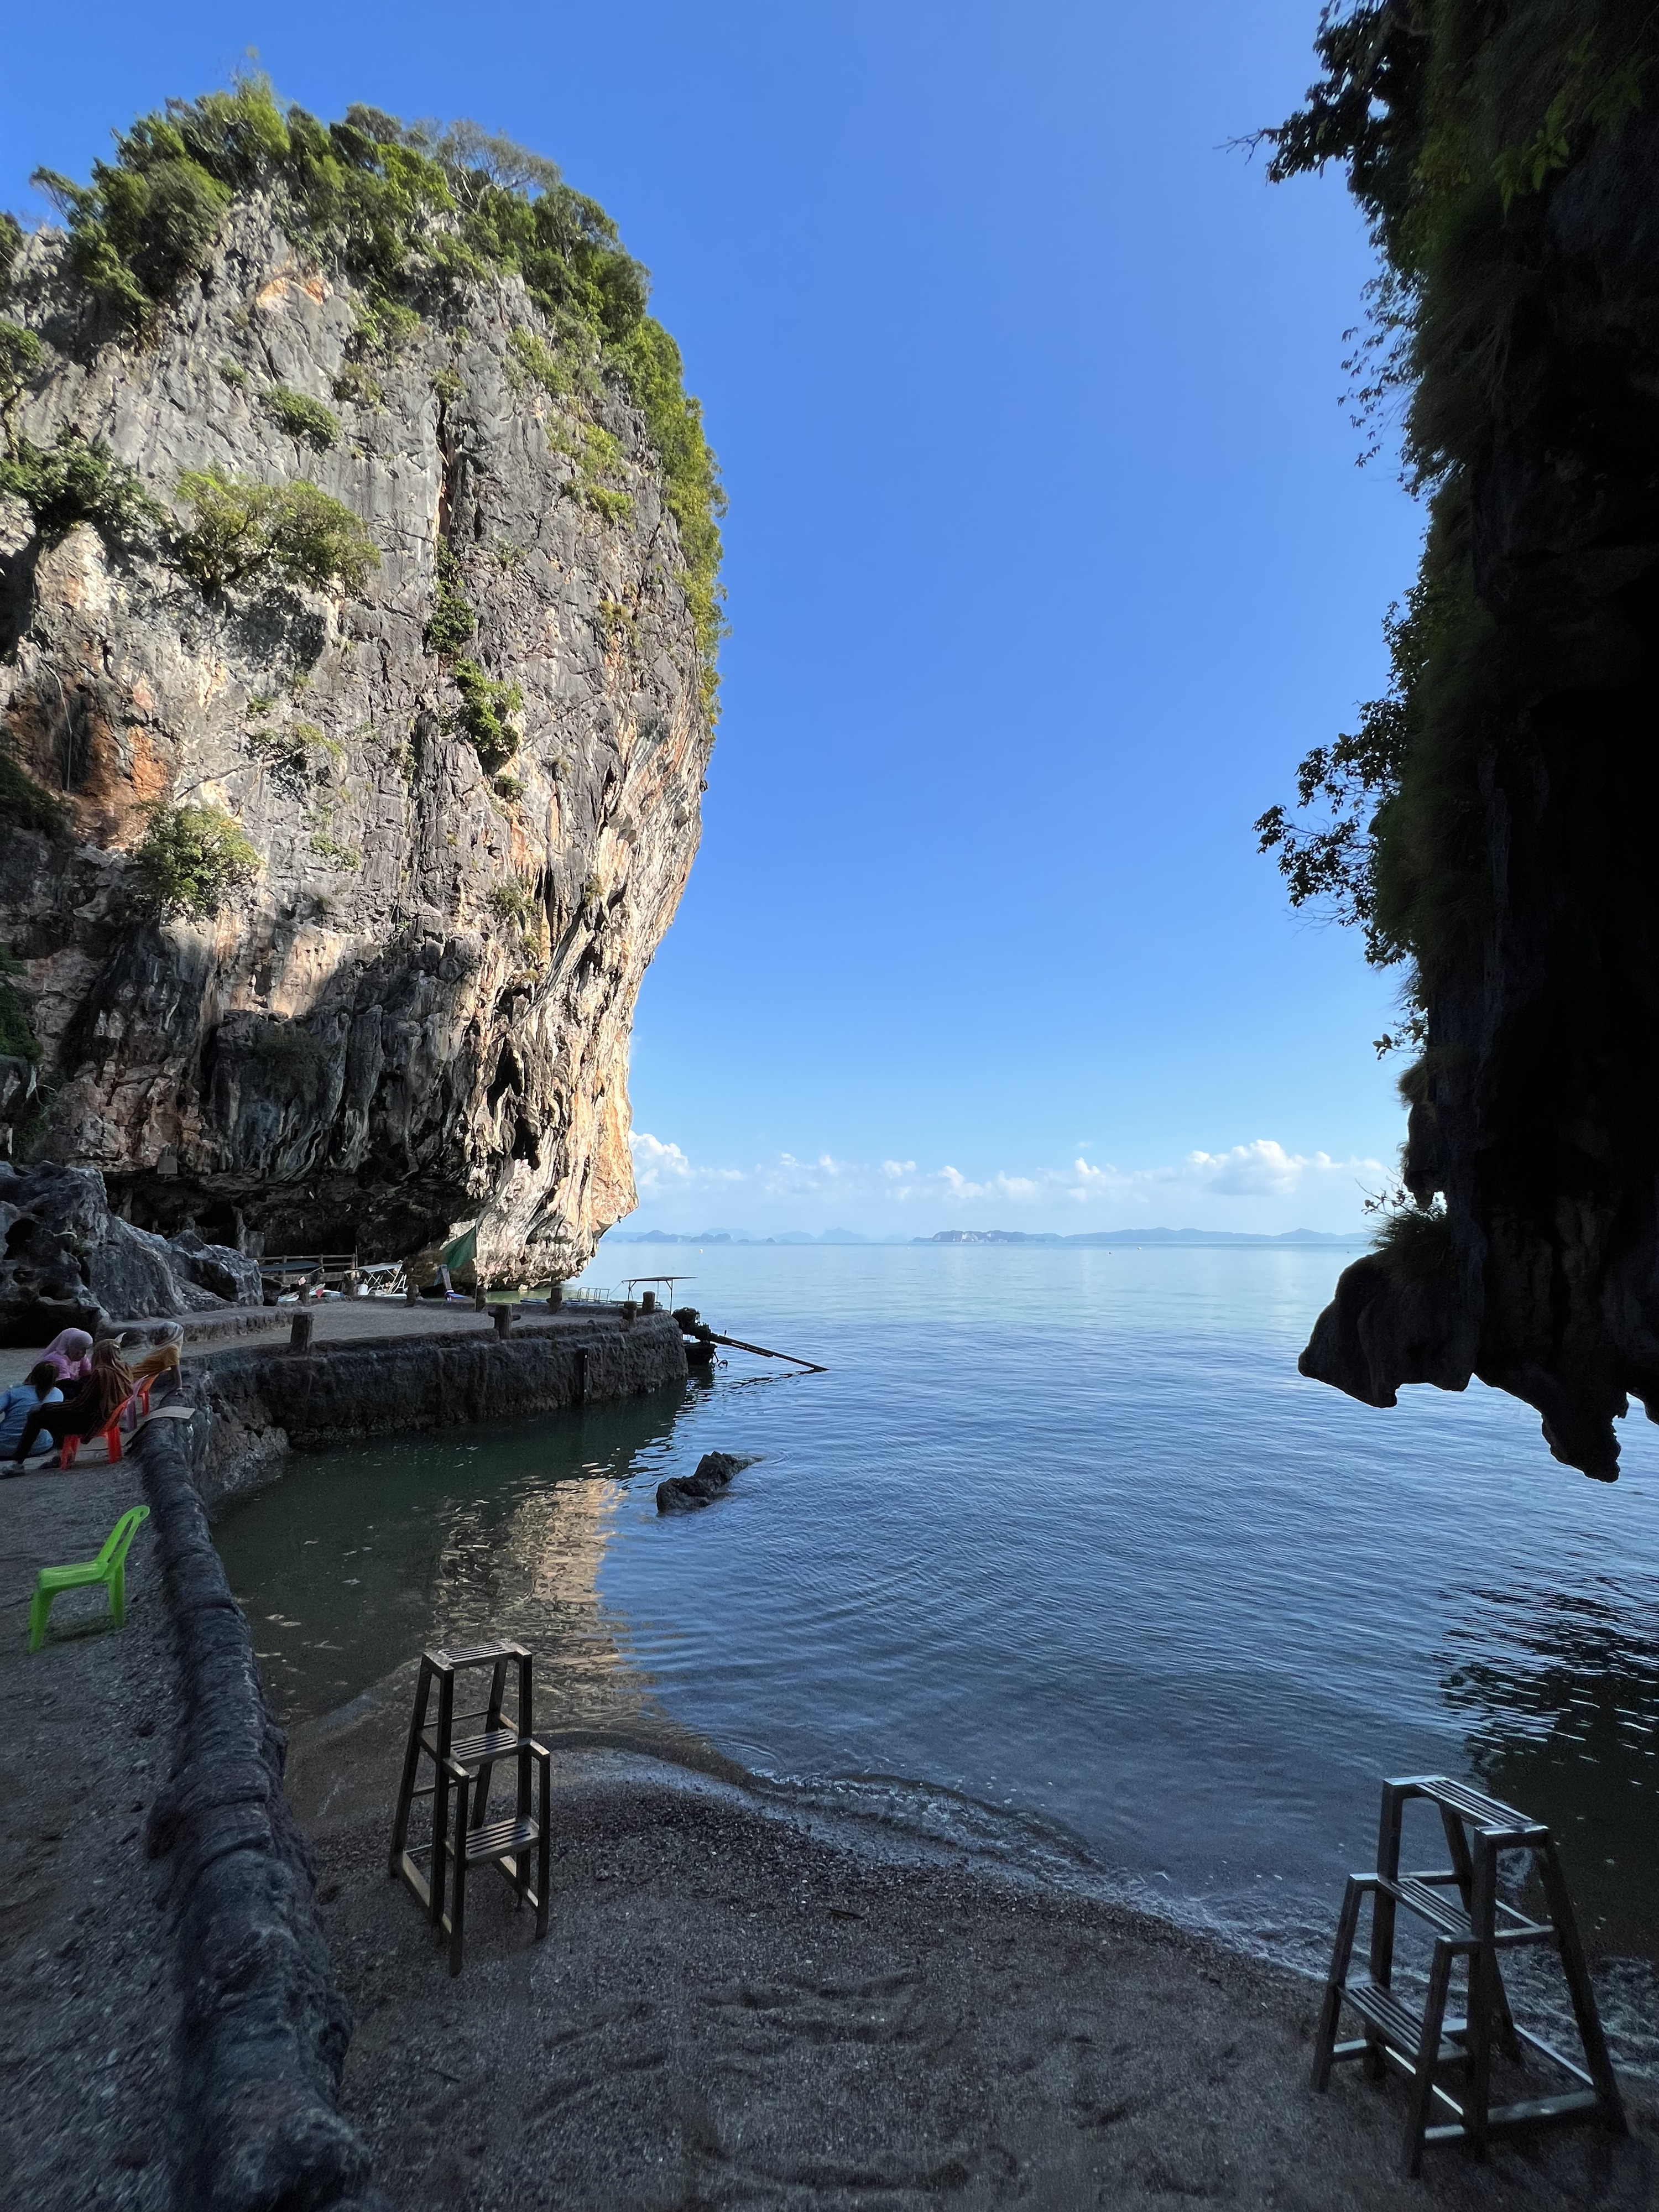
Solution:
(689, 1494)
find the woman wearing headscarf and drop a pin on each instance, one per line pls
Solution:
(157, 1371)
(70, 1353)
(161, 1359)
(108, 1387)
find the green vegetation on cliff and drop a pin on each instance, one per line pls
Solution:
(74, 481)
(1487, 823)
(191, 859)
(412, 216)
(487, 709)
(243, 529)
(1457, 123)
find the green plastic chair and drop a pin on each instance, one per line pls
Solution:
(110, 1568)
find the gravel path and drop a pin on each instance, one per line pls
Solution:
(86, 1972)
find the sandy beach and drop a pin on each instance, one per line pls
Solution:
(733, 2007)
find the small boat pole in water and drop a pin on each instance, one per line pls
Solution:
(761, 1352)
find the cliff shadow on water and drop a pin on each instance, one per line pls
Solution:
(360, 1559)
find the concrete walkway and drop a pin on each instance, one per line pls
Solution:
(334, 1320)
(86, 1969)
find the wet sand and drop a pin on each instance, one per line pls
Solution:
(735, 2008)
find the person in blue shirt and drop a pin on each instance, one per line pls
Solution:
(22, 1399)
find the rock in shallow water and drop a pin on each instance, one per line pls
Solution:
(689, 1494)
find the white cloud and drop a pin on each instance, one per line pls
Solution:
(1254, 1186)
(1259, 1169)
(658, 1167)
(956, 1188)
(656, 1163)
(1262, 1168)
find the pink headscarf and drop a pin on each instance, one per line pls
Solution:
(70, 1353)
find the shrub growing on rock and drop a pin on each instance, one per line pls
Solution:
(485, 706)
(452, 621)
(304, 419)
(21, 355)
(192, 859)
(145, 223)
(78, 480)
(513, 901)
(243, 529)
(533, 358)
(358, 386)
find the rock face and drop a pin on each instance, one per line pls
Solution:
(414, 1018)
(1536, 1112)
(67, 1262)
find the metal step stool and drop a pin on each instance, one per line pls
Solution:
(463, 1768)
(1473, 1924)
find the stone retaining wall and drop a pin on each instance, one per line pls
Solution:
(263, 2027)
(265, 1400)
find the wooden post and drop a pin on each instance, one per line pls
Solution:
(300, 1337)
(503, 1320)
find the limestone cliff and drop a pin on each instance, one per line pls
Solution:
(1490, 822)
(469, 772)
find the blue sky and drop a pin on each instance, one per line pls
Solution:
(1048, 558)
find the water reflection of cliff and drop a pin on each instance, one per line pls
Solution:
(362, 1559)
(527, 1566)
(1563, 1695)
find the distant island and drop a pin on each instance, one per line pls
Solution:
(1142, 1237)
(996, 1236)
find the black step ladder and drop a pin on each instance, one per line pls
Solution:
(463, 1835)
(1473, 1925)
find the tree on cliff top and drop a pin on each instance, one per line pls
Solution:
(1484, 825)
(410, 216)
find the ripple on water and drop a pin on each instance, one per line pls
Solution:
(1061, 1564)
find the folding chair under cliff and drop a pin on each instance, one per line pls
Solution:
(110, 1568)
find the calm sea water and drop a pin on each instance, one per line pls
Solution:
(1061, 1560)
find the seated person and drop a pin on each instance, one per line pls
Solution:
(159, 1364)
(20, 1402)
(160, 1359)
(70, 1354)
(92, 1406)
